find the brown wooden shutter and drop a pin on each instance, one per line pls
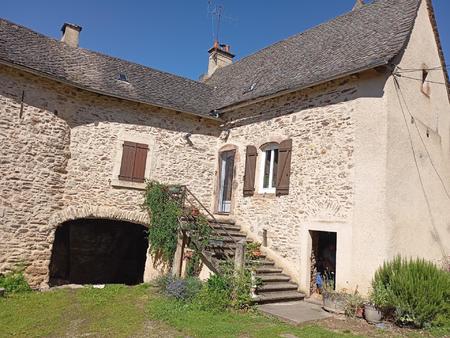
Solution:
(284, 167)
(250, 167)
(127, 165)
(139, 162)
(134, 157)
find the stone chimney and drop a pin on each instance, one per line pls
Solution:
(219, 56)
(71, 34)
(358, 4)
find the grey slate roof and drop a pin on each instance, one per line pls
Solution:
(364, 38)
(97, 72)
(361, 39)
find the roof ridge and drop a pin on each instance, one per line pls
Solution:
(376, 2)
(64, 45)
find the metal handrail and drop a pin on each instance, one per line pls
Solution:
(184, 198)
(210, 214)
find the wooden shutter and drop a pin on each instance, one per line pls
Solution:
(139, 163)
(134, 157)
(284, 167)
(128, 155)
(250, 167)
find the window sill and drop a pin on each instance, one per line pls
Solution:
(270, 195)
(116, 183)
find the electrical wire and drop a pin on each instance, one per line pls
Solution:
(413, 78)
(400, 93)
(418, 69)
(436, 233)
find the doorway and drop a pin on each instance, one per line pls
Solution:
(98, 251)
(323, 260)
(226, 169)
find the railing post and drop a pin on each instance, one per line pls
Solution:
(178, 258)
(239, 256)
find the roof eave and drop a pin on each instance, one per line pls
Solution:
(96, 91)
(269, 96)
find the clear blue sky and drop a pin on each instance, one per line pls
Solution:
(174, 35)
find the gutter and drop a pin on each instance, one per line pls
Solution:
(75, 85)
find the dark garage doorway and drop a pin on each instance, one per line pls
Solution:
(98, 251)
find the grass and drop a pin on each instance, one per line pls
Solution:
(115, 311)
(198, 323)
(120, 311)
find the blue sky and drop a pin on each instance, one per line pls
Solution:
(174, 35)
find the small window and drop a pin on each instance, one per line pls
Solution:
(122, 77)
(134, 158)
(425, 84)
(269, 168)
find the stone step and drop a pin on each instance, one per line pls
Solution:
(222, 221)
(268, 270)
(232, 233)
(280, 277)
(227, 239)
(278, 296)
(277, 286)
(262, 262)
(227, 227)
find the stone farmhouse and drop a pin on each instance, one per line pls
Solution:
(333, 140)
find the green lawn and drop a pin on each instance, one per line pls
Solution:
(120, 311)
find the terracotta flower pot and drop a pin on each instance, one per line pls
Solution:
(359, 313)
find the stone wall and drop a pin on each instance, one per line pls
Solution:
(320, 123)
(57, 157)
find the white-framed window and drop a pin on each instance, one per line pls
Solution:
(268, 168)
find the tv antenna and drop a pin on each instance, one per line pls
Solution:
(216, 13)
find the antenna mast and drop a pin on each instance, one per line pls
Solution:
(216, 14)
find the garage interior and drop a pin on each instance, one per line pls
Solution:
(98, 251)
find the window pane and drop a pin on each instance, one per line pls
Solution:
(268, 154)
(275, 168)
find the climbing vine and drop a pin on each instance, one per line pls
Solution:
(165, 213)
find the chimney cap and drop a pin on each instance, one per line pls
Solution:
(358, 4)
(221, 48)
(71, 25)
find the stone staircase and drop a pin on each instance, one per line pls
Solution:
(275, 287)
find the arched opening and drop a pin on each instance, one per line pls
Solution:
(98, 251)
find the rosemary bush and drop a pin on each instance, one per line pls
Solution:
(417, 290)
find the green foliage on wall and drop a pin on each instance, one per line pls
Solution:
(164, 225)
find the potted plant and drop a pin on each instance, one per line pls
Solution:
(333, 301)
(378, 300)
(195, 212)
(355, 305)
(253, 250)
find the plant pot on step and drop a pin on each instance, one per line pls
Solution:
(195, 212)
(372, 314)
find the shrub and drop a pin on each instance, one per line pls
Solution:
(354, 302)
(14, 281)
(380, 295)
(241, 290)
(417, 290)
(212, 299)
(181, 289)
